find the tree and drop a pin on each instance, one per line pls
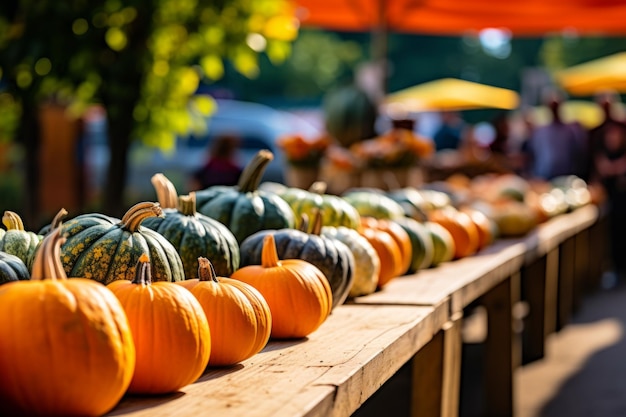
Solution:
(141, 59)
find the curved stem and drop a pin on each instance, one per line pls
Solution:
(269, 255)
(47, 263)
(252, 173)
(206, 272)
(12, 221)
(316, 229)
(165, 190)
(187, 204)
(136, 214)
(318, 187)
(304, 223)
(56, 221)
(143, 273)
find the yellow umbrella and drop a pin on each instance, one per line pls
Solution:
(587, 113)
(451, 94)
(607, 73)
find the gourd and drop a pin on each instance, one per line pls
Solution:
(12, 268)
(194, 234)
(239, 318)
(66, 347)
(335, 210)
(18, 241)
(398, 234)
(244, 208)
(388, 250)
(170, 332)
(461, 227)
(297, 292)
(106, 249)
(421, 242)
(332, 257)
(366, 259)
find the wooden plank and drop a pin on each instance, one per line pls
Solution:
(567, 252)
(533, 278)
(452, 348)
(330, 373)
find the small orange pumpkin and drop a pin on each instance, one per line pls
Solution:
(389, 252)
(461, 227)
(239, 317)
(170, 330)
(401, 237)
(66, 347)
(297, 292)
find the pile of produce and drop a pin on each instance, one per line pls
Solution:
(207, 279)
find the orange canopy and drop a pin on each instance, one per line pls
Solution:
(454, 17)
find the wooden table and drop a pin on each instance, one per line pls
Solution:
(415, 319)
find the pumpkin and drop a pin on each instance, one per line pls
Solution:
(331, 256)
(66, 347)
(193, 235)
(243, 208)
(374, 204)
(335, 210)
(421, 243)
(12, 268)
(350, 115)
(461, 227)
(18, 241)
(239, 318)
(297, 292)
(105, 249)
(388, 251)
(366, 259)
(443, 243)
(412, 201)
(401, 237)
(486, 227)
(170, 332)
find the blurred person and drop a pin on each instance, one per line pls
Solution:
(450, 133)
(557, 148)
(221, 167)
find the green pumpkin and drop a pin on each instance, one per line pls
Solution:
(18, 241)
(421, 243)
(331, 256)
(350, 115)
(244, 208)
(412, 201)
(366, 259)
(106, 249)
(12, 268)
(374, 204)
(195, 235)
(335, 210)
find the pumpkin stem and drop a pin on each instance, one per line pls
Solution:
(166, 192)
(269, 254)
(316, 229)
(304, 223)
(12, 221)
(318, 187)
(251, 175)
(143, 273)
(47, 263)
(206, 272)
(187, 204)
(56, 221)
(139, 212)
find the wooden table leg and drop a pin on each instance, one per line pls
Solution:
(534, 293)
(552, 291)
(581, 267)
(501, 347)
(567, 253)
(436, 373)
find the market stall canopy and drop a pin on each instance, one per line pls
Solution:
(451, 17)
(450, 94)
(587, 113)
(589, 78)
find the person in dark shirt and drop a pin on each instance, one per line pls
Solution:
(221, 167)
(450, 133)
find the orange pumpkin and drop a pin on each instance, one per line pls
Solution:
(239, 317)
(401, 237)
(483, 224)
(388, 251)
(170, 330)
(461, 227)
(297, 292)
(66, 347)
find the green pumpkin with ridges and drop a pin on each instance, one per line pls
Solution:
(12, 268)
(18, 241)
(106, 249)
(335, 210)
(331, 256)
(421, 243)
(244, 208)
(374, 204)
(195, 235)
